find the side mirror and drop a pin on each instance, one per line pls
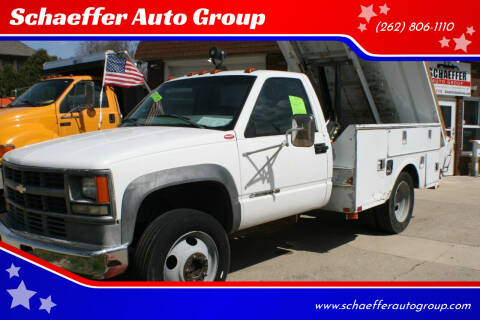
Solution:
(303, 130)
(89, 94)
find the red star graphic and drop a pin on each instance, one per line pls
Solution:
(367, 13)
(444, 42)
(461, 43)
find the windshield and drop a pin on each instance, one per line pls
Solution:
(204, 102)
(42, 93)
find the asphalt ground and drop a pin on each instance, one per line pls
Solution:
(442, 243)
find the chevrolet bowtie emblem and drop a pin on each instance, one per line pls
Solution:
(21, 188)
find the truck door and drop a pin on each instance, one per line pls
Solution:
(84, 120)
(279, 181)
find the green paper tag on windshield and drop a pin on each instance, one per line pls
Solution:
(297, 104)
(156, 97)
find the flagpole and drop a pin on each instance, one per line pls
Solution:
(100, 118)
(143, 78)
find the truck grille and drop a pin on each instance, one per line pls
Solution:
(36, 223)
(35, 179)
(36, 201)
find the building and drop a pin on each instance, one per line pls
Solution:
(457, 85)
(14, 53)
(178, 58)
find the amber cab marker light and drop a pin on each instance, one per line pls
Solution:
(192, 74)
(203, 72)
(215, 71)
(102, 190)
(250, 70)
(5, 148)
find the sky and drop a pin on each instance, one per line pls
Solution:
(61, 49)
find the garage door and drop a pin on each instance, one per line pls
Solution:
(177, 68)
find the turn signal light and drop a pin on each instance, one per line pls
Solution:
(102, 190)
(5, 148)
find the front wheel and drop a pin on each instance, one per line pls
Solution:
(183, 245)
(395, 215)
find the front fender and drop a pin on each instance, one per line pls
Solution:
(26, 134)
(143, 186)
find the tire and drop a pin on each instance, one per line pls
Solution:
(183, 245)
(395, 215)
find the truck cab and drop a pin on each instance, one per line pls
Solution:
(55, 107)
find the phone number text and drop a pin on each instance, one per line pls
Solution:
(401, 26)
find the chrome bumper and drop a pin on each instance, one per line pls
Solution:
(87, 260)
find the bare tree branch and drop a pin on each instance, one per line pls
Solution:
(89, 47)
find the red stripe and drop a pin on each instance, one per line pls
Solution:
(123, 84)
(289, 284)
(126, 79)
(123, 75)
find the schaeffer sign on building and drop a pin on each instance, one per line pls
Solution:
(451, 78)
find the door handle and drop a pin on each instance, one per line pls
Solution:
(320, 148)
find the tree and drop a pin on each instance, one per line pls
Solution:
(89, 47)
(28, 74)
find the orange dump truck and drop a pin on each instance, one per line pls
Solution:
(59, 106)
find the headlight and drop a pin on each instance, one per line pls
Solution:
(89, 188)
(5, 148)
(89, 194)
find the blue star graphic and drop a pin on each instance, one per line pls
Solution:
(13, 271)
(47, 304)
(21, 296)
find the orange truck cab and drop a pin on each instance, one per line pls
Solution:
(57, 107)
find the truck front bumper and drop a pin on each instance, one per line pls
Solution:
(83, 259)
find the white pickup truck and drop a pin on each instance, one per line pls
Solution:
(208, 154)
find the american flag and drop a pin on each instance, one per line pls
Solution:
(121, 72)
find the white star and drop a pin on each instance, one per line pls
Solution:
(13, 271)
(47, 304)
(444, 42)
(461, 43)
(367, 13)
(470, 30)
(21, 296)
(362, 27)
(384, 9)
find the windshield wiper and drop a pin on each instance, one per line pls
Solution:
(190, 122)
(25, 102)
(130, 120)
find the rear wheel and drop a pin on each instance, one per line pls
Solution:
(183, 245)
(395, 215)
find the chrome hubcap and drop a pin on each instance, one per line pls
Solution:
(193, 257)
(402, 201)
